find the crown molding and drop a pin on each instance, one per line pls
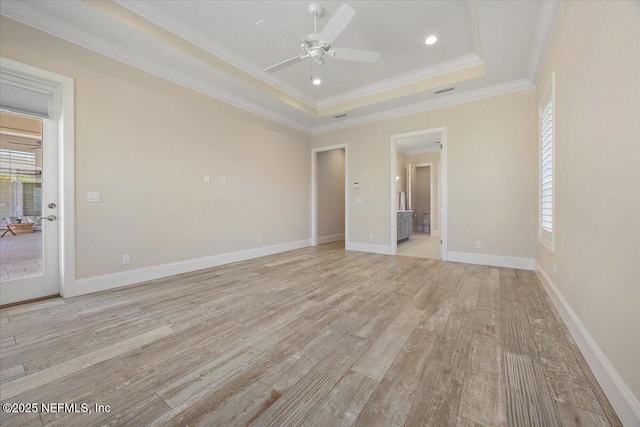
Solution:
(544, 30)
(32, 17)
(169, 23)
(472, 95)
(402, 80)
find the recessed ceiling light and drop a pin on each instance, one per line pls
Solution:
(317, 82)
(431, 40)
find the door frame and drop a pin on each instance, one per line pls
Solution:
(443, 188)
(409, 190)
(62, 109)
(314, 191)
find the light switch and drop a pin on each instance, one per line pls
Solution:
(223, 180)
(207, 178)
(93, 196)
(356, 184)
(358, 199)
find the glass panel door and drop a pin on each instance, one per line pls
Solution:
(28, 180)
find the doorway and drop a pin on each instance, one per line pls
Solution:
(35, 145)
(422, 197)
(418, 202)
(329, 195)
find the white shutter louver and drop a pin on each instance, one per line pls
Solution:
(546, 167)
(20, 100)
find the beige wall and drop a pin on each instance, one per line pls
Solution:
(433, 158)
(421, 193)
(146, 145)
(492, 185)
(413, 178)
(330, 192)
(401, 171)
(597, 221)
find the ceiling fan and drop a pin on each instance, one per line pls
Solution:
(35, 146)
(316, 45)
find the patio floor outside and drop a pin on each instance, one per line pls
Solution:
(20, 256)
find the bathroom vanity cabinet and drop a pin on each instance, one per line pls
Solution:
(405, 225)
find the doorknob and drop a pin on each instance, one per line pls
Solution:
(49, 218)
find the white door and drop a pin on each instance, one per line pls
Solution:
(29, 258)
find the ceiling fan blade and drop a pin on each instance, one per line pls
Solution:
(284, 64)
(337, 24)
(355, 55)
(270, 28)
(36, 145)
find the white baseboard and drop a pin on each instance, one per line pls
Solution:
(124, 278)
(622, 399)
(493, 260)
(330, 239)
(367, 247)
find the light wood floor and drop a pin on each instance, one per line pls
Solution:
(420, 245)
(315, 337)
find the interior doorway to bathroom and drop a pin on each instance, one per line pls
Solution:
(329, 195)
(418, 206)
(422, 201)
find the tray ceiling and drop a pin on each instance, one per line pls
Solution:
(483, 48)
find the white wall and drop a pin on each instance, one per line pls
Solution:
(595, 54)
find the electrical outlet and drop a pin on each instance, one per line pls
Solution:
(207, 178)
(478, 244)
(259, 239)
(125, 259)
(370, 236)
(556, 273)
(223, 180)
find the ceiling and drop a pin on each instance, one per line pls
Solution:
(400, 39)
(484, 49)
(11, 142)
(420, 143)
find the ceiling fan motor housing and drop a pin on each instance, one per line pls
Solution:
(313, 47)
(315, 9)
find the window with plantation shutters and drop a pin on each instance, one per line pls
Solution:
(546, 167)
(546, 177)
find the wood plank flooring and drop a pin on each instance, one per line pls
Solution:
(313, 337)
